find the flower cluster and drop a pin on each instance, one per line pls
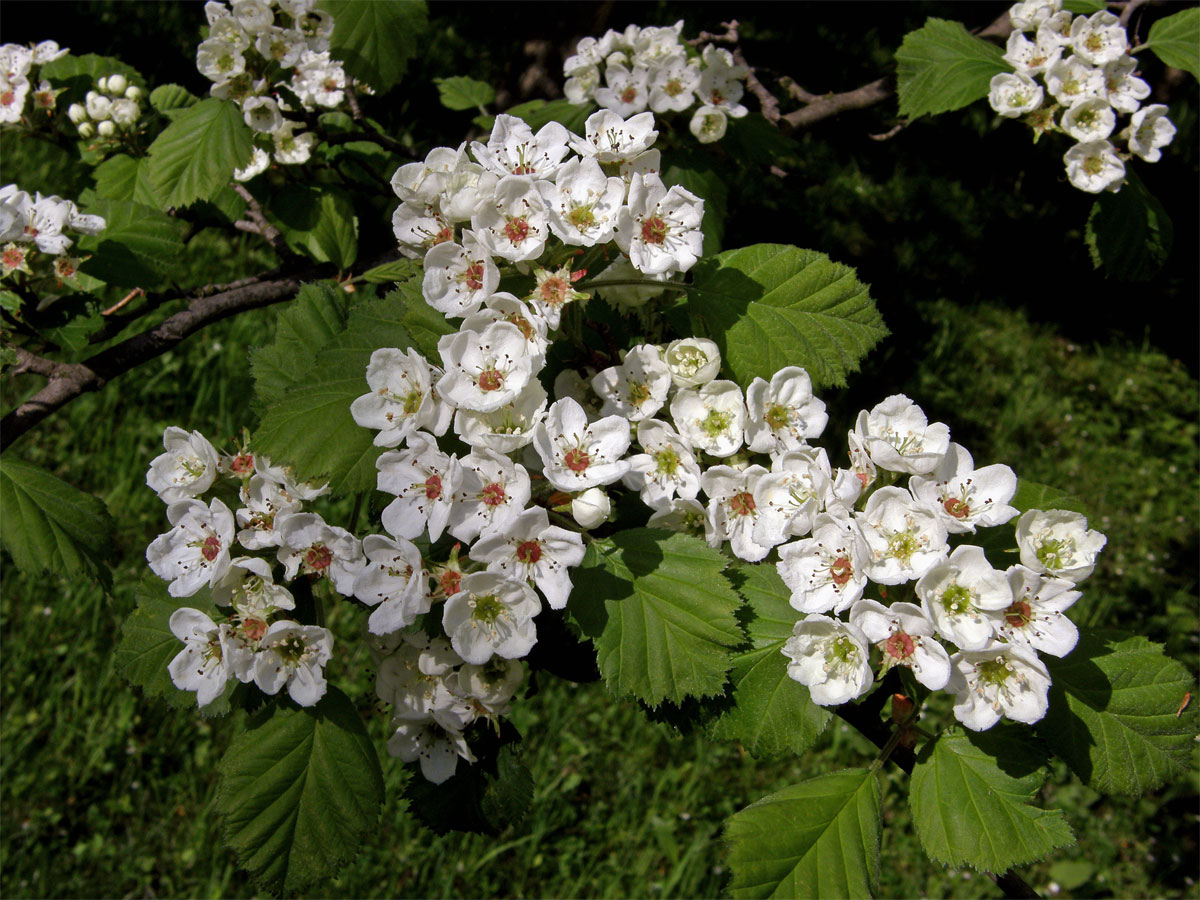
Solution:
(112, 109)
(40, 221)
(259, 641)
(267, 59)
(651, 68)
(18, 75)
(912, 542)
(1075, 75)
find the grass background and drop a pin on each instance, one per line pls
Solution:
(103, 793)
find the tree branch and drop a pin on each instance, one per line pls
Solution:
(828, 105)
(258, 223)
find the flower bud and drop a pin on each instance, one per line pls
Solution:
(693, 362)
(86, 130)
(106, 128)
(99, 107)
(116, 85)
(77, 113)
(591, 508)
(133, 92)
(124, 112)
(102, 84)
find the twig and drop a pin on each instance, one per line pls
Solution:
(890, 133)
(259, 224)
(1127, 12)
(828, 105)
(136, 292)
(1000, 28)
(707, 37)
(28, 362)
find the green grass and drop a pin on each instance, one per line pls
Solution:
(105, 793)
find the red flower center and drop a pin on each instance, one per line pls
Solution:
(841, 571)
(957, 508)
(554, 290)
(433, 487)
(242, 464)
(211, 548)
(493, 494)
(474, 276)
(490, 380)
(899, 646)
(576, 460)
(13, 258)
(449, 582)
(654, 230)
(629, 95)
(1019, 614)
(7, 98)
(444, 235)
(529, 552)
(318, 557)
(742, 504)
(517, 229)
(254, 628)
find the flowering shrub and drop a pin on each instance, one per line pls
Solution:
(581, 440)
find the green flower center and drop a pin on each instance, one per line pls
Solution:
(716, 422)
(487, 609)
(956, 600)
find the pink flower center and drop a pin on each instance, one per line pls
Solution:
(841, 571)
(242, 464)
(449, 582)
(517, 229)
(318, 557)
(211, 548)
(493, 494)
(433, 487)
(576, 460)
(554, 290)
(742, 504)
(254, 628)
(529, 552)
(654, 230)
(444, 235)
(899, 646)
(629, 95)
(13, 258)
(490, 380)
(7, 98)
(956, 508)
(1019, 614)
(474, 276)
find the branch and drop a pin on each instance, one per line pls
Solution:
(1127, 12)
(828, 105)
(259, 224)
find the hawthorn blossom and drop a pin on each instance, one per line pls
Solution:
(660, 228)
(582, 203)
(591, 508)
(529, 548)
(577, 455)
(423, 480)
(783, 414)
(294, 656)
(1058, 543)
(513, 149)
(958, 594)
(826, 571)
(187, 469)
(200, 666)
(693, 362)
(1004, 680)
(712, 419)
(665, 468)
(898, 437)
(553, 292)
(459, 277)
(267, 505)
(505, 429)
(905, 637)
(732, 510)
(1099, 38)
(195, 552)
(1013, 95)
(637, 388)
(437, 748)
(491, 615)
(904, 540)
(394, 581)
(311, 547)
(484, 370)
(790, 495)
(609, 138)
(1150, 129)
(401, 399)
(1035, 619)
(964, 497)
(830, 658)
(515, 223)
(491, 493)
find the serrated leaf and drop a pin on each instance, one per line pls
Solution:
(170, 97)
(50, 526)
(299, 789)
(424, 324)
(119, 178)
(1033, 495)
(459, 93)
(310, 426)
(1176, 40)
(819, 838)
(1129, 233)
(148, 645)
(768, 306)
(375, 41)
(139, 246)
(940, 67)
(304, 326)
(195, 156)
(1114, 714)
(667, 625)
(398, 270)
(772, 714)
(318, 221)
(970, 796)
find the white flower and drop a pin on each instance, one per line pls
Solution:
(1071, 79)
(493, 491)
(958, 594)
(709, 124)
(394, 581)
(577, 455)
(672, 86)
(681, 514)
(401, 399)
(627, 91)
(311, 547)
(513, 148)
(437, 748)
(1029, 14)
(1099, 38)
(248, 587)
(965, 497)
(609, 138)
(508, 428)
(491, 615)
(294, 655)
(1058, 543)
(1089, 120)
(825, 572)
(267, 505)
(732, 510)
(1002, 680)
(515, 224)
(493, 684)
(257, 165)
(905, 638)
(293, 149)
(660, 228)
(47, 51)
(713, 418)
(195, 552)
(187, 469)
(1031, 57)
(1095, 167)
(423, 182)
(831, 658)
(1035, 619)
(1013, 95)
(419, 227)
(782, 415)
(459, 277)
(693, 362)
(1150, 129)
(218, 60)
(529, 548)
(124, 112)
(582, 203)
(504, 307)
(262, 114)
(1124, 92)
(423, 480)
(591, 508)
(200, 666)
(484, 370)
(899, 438)
(790, 495)
(905, 540)
(252, 15)
(665, 468)
(637, 388)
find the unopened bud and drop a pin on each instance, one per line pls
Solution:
(102, 83)
(77, 113)
(106, 128)
(116, 85)
(86, 130)
(901, 707)
(591, 508)
(133, 92)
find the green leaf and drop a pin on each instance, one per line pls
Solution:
(50, 526)
(970, 796)
(424, 324)
(819, 838)
(537, 113)
(1032, 495)
(399, 270)
(317, 221)
(310, 426)
(941, 67)
(195, 156)
(70, 322)
(768, 306)
(667, 625)
(167, 98)
(1176, 40)
(304, 326)
(376, 40)
(80, 73)
(125, 179)
(460, 93)
(1129, 233)
(10, 302)
(139, 246)
(707, 183)
(1115, 715)
(772, 714)
(1084, 7)
(299, 790)
(148, 645)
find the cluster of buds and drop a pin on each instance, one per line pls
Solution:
(1076, 76)
(18, 75)
(110, 111)
(651, 68)
(32, 232)
(269, 59)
